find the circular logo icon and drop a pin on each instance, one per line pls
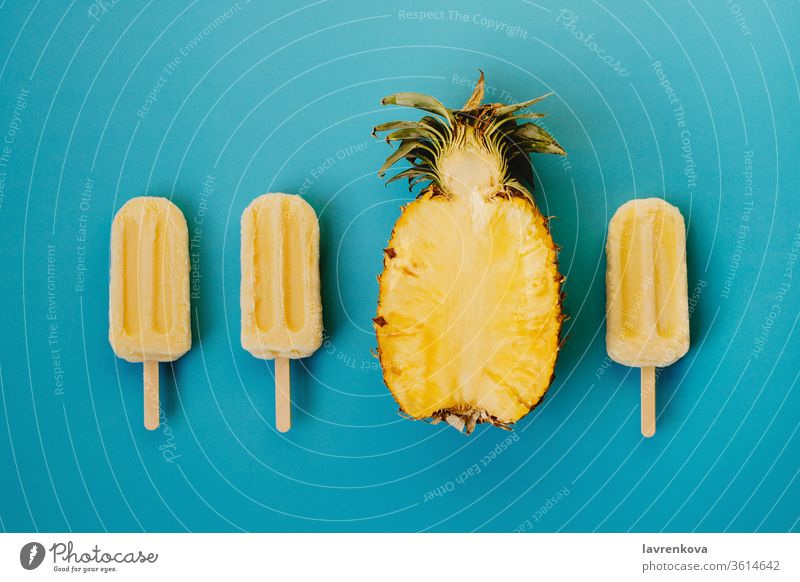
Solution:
(31, 555)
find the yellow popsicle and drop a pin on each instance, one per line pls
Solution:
(647, 309)
(280, 293)
(149, 317)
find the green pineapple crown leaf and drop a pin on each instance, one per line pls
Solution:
(506, 128)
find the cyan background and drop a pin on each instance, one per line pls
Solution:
(267, 97)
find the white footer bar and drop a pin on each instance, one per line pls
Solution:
(390, 557)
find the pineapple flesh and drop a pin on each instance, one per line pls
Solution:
(469, 312)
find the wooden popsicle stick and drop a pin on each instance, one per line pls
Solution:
(283, 400)
(648, 401)
(151, 411)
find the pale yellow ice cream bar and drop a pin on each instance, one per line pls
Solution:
(280, 293)
(646, 288)
(149, 317)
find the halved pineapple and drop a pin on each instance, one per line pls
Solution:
(469, 313)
